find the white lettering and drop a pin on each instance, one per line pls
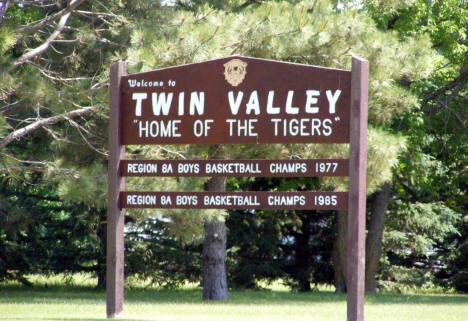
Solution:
(327, 130)
(186, 200)
(188, 168)
(276, 123)
(289, 200)
(142, 168)
(232, 168)
(167, 168)
(302, 127)
(197, 101)
(316, 126)
(141, 200)
(289, 107)
(332, 99)
(230, 200)
(201, 128)
(159, 128)
(166, 200)
(293, 127)
(143, 129)
(270, 109)
(288, 168)
(253, 104)
(244, 127)
(181, 103)
(312, 100)
(235, 104)
(160, 102)
(139, 97)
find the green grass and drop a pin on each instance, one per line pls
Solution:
(74, 302)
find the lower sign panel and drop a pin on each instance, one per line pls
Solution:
(236, 200)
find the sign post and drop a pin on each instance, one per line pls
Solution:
(357, 190)
(239, 100)
(115, 214)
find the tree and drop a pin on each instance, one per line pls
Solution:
(431, 174)
(53, 97)
(308, 32)
(153, 255)
(39, 234)
(55, 57)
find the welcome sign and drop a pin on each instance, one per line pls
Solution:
(239, 100)
(236, 100)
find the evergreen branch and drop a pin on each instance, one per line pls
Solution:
(109, 42)
(47, 20)
(65, 41)
(17, 134)
(12, 108)
(248, 3)
(47, 74)
(42, 48)
(181, 155)
(58, 137)
(36, 3)
(98, 38)
(16, 169)
(104, 14)
(4, 10)
(195, 21)
(80, 130)
(37, 169)
(55, 76)
(238, 44)
(33, 166)
(26, 161)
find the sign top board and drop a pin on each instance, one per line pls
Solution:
(236, 100)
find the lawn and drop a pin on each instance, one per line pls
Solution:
(73, 302)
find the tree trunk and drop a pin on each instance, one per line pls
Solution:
(339, 252)
(374, 236)
(101, 259)
(214, 246)
(302, 257)
(214, 262)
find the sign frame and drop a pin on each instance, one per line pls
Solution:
(356, 194)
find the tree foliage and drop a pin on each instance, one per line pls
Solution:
(430, 182)
(41, 234)
(54, 62)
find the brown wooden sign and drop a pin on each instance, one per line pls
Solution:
(236, 200)
(235, 168)
(236, 100)
(239, 100)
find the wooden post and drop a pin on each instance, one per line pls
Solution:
(115, 184)
(357, 189)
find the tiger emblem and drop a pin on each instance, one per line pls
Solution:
(235, 71)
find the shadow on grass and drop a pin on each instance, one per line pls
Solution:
(16, 294)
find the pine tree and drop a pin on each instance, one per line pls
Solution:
(307, 32)
(54, 65)
(55, 61)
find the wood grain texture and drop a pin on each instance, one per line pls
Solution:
(115, 215)
(357, 189)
